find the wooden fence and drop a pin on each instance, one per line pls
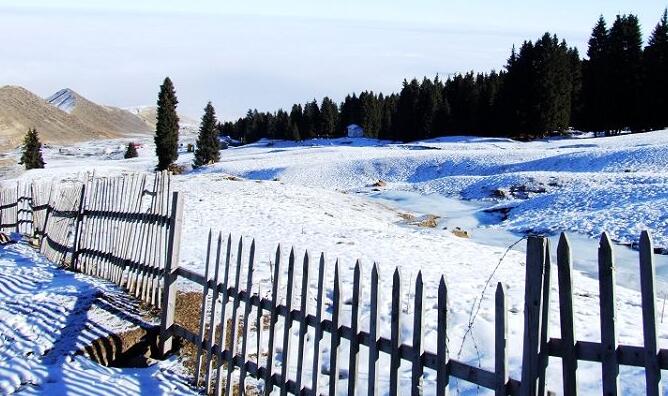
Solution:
(226, 346)
(118, 229)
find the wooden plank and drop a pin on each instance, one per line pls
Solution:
(212, 317)
(545, 322)
(442, 375)
(234, 320)
(335, 334)
(315, 370)
(268, 379)
(303, 328)
(418, 336)
(500, 341)
(647, 287)
(247, 311)
(395, 333)
(221, 337)
(535, 265)
(172, 264)
(374, 334)
(202, 316)
(569, 360)
(353, 358)
(286, 352)
(606, 279)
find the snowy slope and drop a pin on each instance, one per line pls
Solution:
(46, 314)
(64, 99)
(617, 184)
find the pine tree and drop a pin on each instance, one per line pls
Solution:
(310, 120)
(596, 96)
(208, 145)
(329, 117)
(296, 115)
(407, 111)
(167, 126)
(131, 151)
(625, 83)
(655, 84)
(282, 125)
(32, 151)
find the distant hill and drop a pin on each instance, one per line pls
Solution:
(107, 119)
(65, 117)
(149, 114)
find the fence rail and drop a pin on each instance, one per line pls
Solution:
(127, 230)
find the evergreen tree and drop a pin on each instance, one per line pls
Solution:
(208, 145)
(553, 89)
(389, 109)
(167, 126)
(655, 59)
(427, 106)
(131, 151)
(370, 118)
(625, 41)
(406, 116)
(596, 96)
(310, 120)
(283, 125)
(32, 151)
(296, 115)
(329, 117)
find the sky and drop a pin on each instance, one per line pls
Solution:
(269, 54)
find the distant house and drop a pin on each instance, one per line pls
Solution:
(355, 131)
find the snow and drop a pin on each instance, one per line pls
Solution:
(315, 195)
(64, 99)
(46, 315)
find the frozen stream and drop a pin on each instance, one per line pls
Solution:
(486, 228)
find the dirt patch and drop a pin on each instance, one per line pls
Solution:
(379, 183)
(188, 314)
(132, 348)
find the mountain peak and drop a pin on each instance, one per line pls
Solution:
(65, 100)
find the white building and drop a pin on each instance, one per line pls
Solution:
(355, 131)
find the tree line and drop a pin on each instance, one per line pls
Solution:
(544, 88)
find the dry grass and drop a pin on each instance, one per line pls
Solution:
(188, 314)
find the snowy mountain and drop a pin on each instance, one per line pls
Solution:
(63, 118)
(105, 118)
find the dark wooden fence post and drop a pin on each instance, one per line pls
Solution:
(77, 228)
(169, 276)
(533, 304)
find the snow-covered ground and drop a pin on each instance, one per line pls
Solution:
(316, 196)
(46, 315)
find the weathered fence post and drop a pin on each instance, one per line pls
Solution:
(77, 228)
(533, 296)
(652, 370)
(169, 276)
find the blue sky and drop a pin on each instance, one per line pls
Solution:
(270, 54)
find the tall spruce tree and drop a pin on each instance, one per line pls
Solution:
(296, 115)
(208, 145)
(282, 125)
(32, 151)
(167, 126)
(596, 74)
(625, 39)
(655, 84)
(329, 117)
